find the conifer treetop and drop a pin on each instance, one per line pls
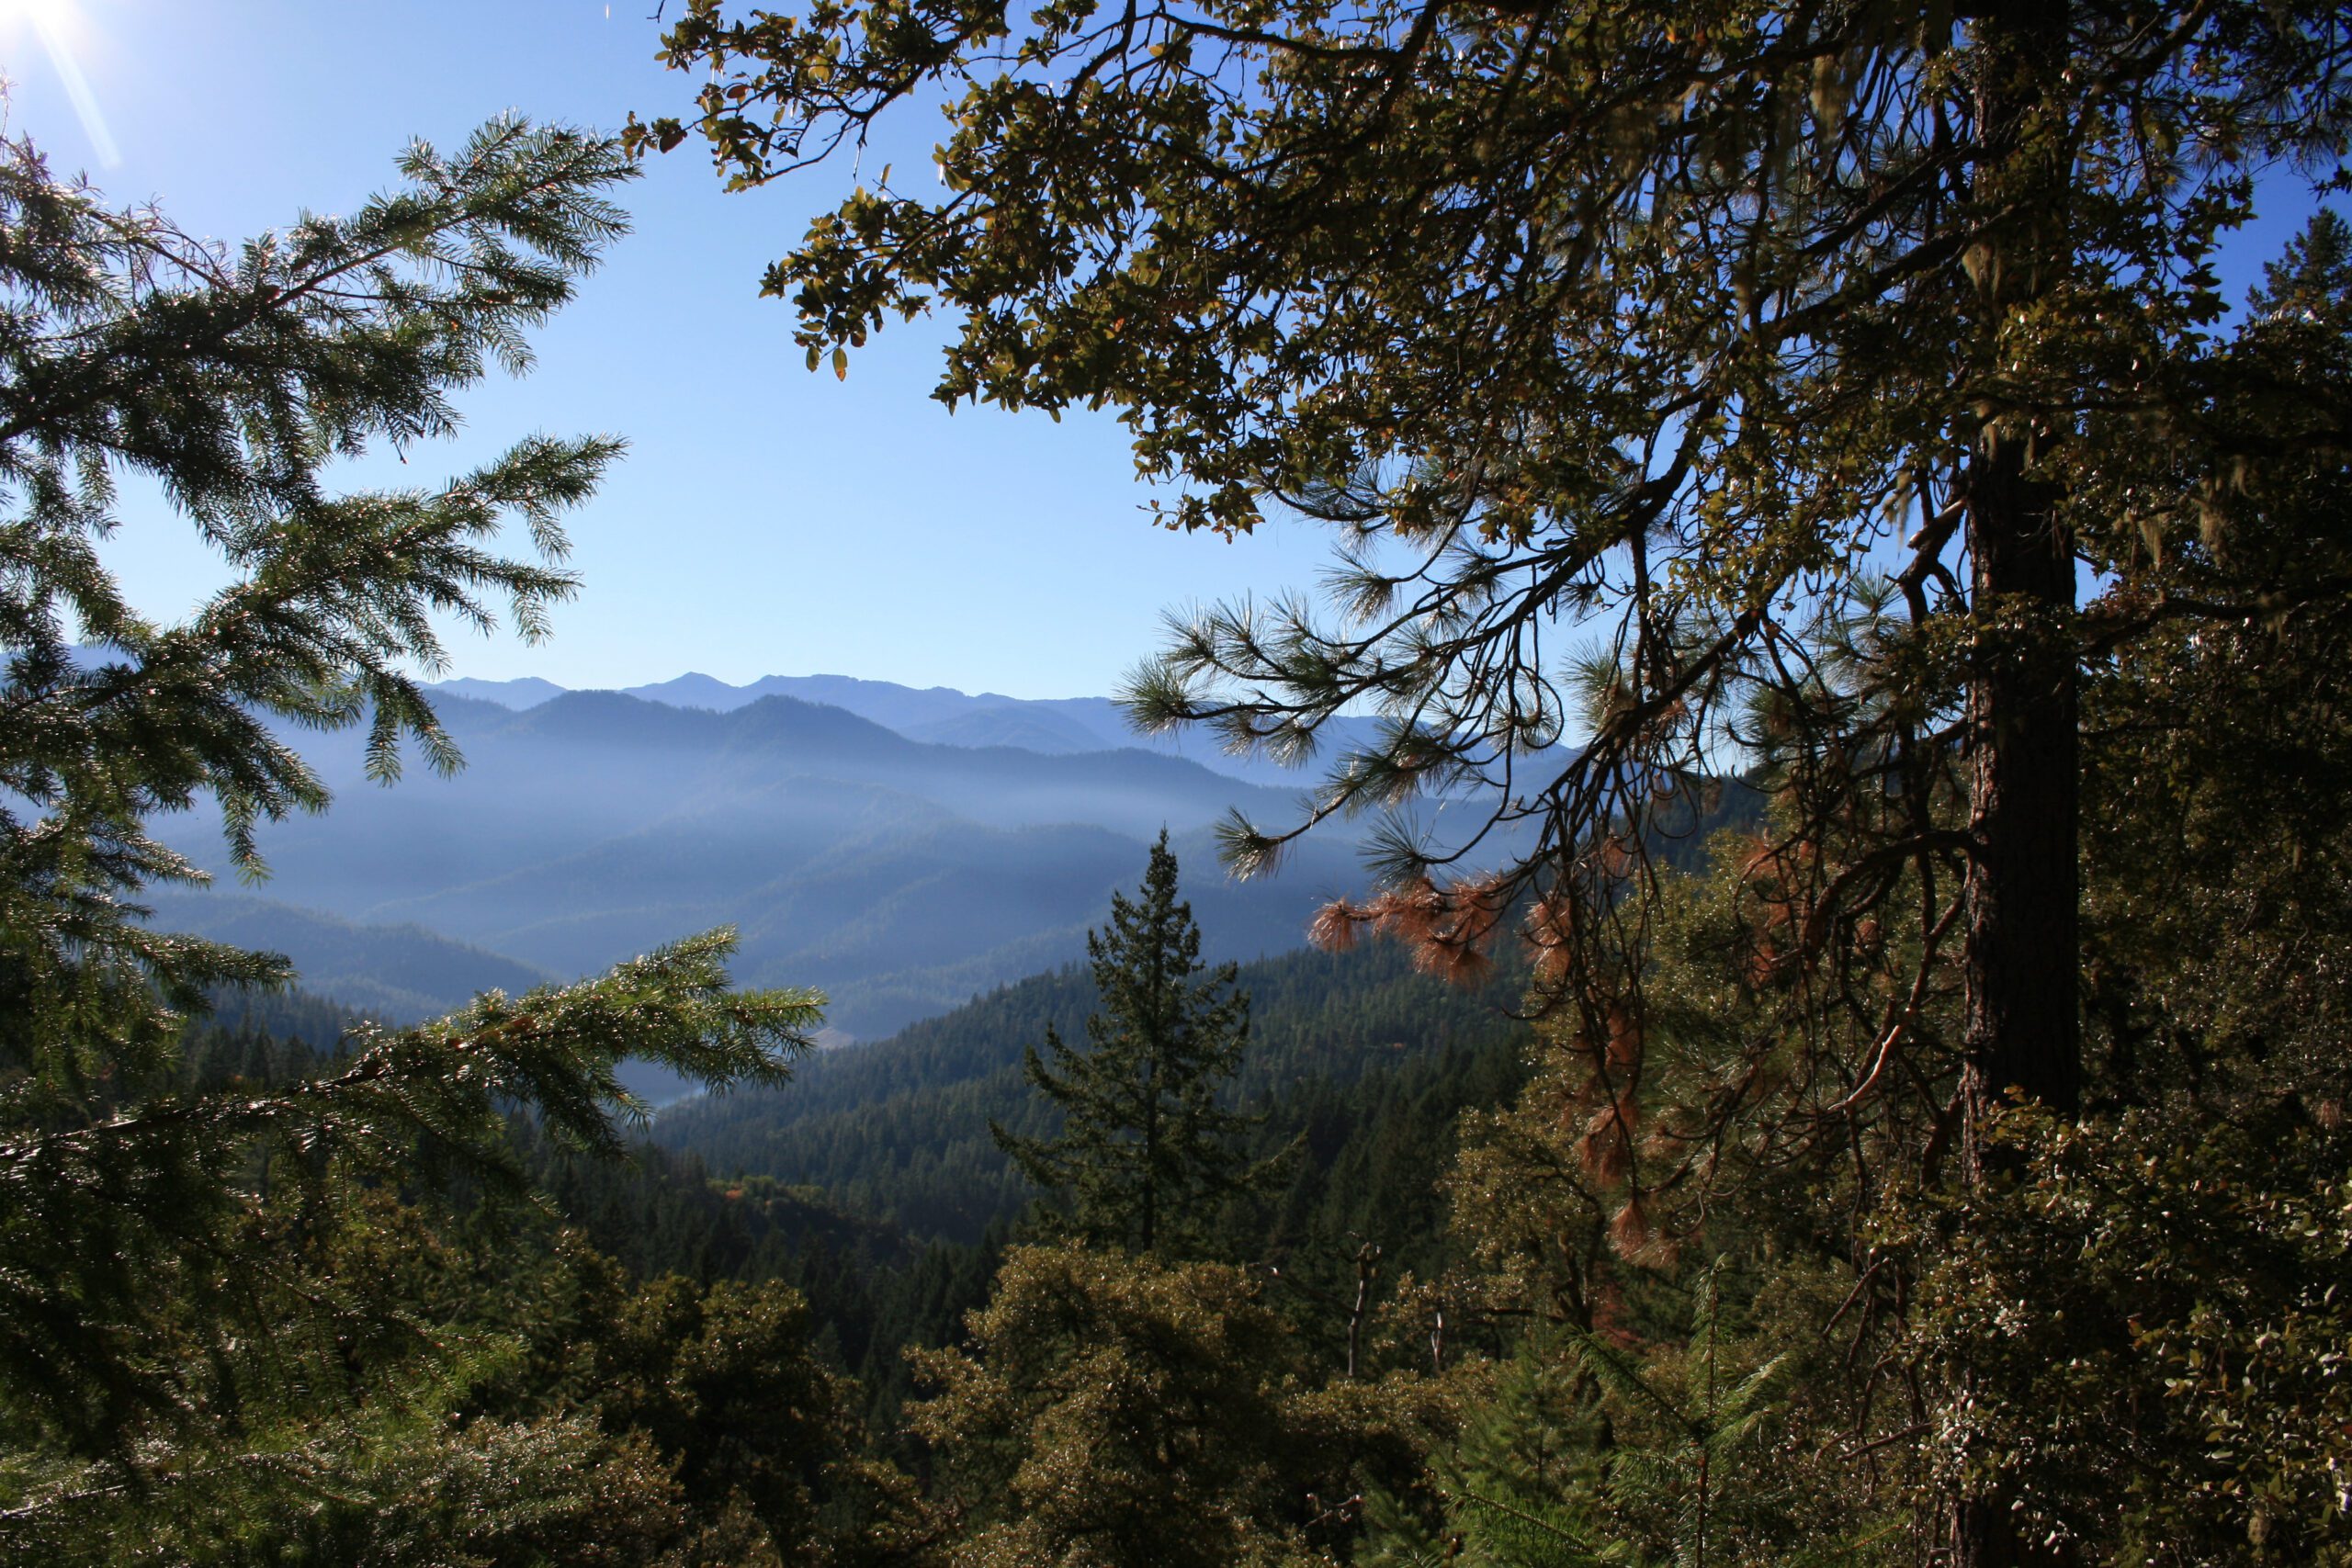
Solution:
(1146, 1146)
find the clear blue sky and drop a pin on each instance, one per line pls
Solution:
(766, 520)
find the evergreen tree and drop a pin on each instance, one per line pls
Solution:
(1145, 1149)
(1685, 1477)
(1137, 1412)
(217, 1299)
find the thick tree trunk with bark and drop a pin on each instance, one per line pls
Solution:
(2022, 1039)
(2023, 940)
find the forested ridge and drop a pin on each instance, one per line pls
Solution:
(1833, 687)
(893, 1219)
(899, 1129)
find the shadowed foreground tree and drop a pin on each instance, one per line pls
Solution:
(1692, 383)
(726, 1383)
(2144, 1305)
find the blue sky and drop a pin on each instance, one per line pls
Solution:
(767, 520)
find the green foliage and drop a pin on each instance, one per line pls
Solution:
(171, 1214)
(124, 343)
(410, 1487)
(1145, 1147)
(2166, 1263)
(1634, 1439)
(2219, 855)
(328, 1413)
(2159, 1315)
(486, 1389)
(871, 1182)
(721, 1381)
(1514, 1488)
(898, 1129)
(1706, 1466)
(232, 381)
(1116, 1410)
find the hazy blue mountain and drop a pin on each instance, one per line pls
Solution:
(898, 875)
(942, 716)
(526, 691)
(401, 974)
(885, 702)
(695, 690)
(1024, 725)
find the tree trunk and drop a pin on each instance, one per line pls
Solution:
(2022, 1037)
(2023, 944)
(1151, 1217)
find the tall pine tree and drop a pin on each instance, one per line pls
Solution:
(1146, 1149)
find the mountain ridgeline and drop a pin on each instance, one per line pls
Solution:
(900, 877)
(942, 716)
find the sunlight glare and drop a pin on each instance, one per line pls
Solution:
(40, 12)
(54, 20)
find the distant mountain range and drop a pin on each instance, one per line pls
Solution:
(900, 875)
(942, 716)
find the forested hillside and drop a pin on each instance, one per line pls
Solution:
(885, 1200)
(898, 1129)
(880, 1194)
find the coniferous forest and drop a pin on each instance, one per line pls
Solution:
(1835, 680)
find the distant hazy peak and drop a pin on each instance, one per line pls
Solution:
(524, 691)
(695, 689)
